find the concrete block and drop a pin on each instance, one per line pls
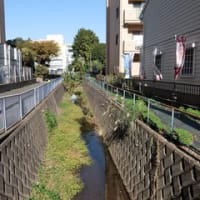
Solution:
(177, 169)
(167, 192)
(168, 161)
(168, 176)
(176, 186)
(196, 191)
(146, 194)
(1, 169)
(2, 184)
(187, 178)
(159, 195)
(161, 169)
(197, 173)
(161, 182)
(186, 193)
(162, 152)
(9, 190)
(146, 181)
(177, 157)
(187, 165)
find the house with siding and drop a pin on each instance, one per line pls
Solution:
(164, 21)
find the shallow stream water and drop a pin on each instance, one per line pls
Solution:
(101, 179)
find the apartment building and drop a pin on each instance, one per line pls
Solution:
(124, 37)
(69, 55)
(57, 65)
(165, 22)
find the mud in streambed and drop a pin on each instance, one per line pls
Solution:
(101, 179)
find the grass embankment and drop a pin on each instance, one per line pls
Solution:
(66, 153)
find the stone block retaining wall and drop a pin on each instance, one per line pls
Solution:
(150, 166)
(22, 152)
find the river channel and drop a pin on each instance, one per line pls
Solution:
(101, 179)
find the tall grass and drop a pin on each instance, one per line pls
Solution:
(66, 153)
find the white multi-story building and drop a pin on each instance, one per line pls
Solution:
(11, 69)
(124, 37)
(69, 55)
(58, 64)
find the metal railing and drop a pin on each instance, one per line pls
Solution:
(14, 108)
(171, 117)
(188, 89)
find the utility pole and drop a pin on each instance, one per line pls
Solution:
(2, 23)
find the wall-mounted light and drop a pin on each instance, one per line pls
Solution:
(193, 45)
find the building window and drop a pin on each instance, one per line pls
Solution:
(117, 12)
(136, 58)
(117, 39)
(189, 62)
(158, 59)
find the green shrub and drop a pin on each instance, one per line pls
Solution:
(115, 80)
(41, 191)
(157, 121)
(184, 137)
(193, 112)
(190, 111)
(50, 119)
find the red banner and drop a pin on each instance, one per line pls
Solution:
(180, 55)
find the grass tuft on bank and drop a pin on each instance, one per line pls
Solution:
(66, 153)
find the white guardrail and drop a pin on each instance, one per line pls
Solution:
(14, 108)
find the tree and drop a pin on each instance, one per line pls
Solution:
(99, 53)
(41, 71)
(44, 50)
(84, 42)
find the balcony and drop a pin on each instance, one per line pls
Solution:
(131, 16)
(136, 1)
(134, 45)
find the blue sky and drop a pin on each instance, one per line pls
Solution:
(36, 18)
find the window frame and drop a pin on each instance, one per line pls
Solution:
(188, 75)
(158, 64)
(117, 12)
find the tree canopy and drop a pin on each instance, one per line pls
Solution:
(86, 47)
(99, 53)
(84, 42)
(44, 50)
(40, 52)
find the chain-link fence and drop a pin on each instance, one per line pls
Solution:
(165, 119)
(13, 108)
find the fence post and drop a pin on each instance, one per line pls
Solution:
(172, 120)
(134, 100)
(4, 113)
(117, 93)
(35, 97)
(148, 112)
(124, 95)
(20, 106)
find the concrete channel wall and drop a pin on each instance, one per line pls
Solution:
(23, 151)
(150, 166)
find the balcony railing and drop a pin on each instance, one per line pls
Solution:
(136, 1)
(132, 45)
(131, 16)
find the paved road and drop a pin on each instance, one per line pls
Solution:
(180, 121)
(12, 104)
(21, 90)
